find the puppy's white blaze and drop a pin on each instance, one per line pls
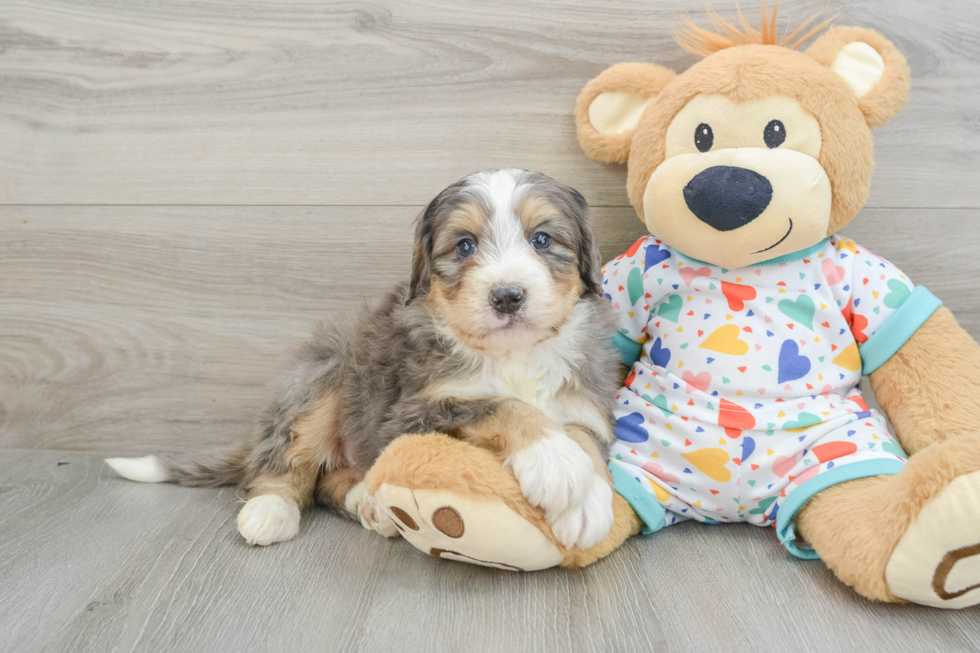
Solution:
(148, 469)
(508, 254)
(554, 473)
(268, 519)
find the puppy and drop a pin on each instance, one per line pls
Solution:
(500, 338)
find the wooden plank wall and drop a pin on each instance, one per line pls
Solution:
(186, 187)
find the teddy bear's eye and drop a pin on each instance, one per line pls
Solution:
(775, 134)
(704, 138)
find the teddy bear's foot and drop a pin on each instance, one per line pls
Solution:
(480, 532)
(456, 501)
(913, 536)
(937, 561)
(453, 500)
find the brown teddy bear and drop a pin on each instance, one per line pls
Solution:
(748, 322)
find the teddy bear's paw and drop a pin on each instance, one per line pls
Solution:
(483, 532)
(937, 561)
(588, 524)
(370, 514)
(554, 473)
(268, 519)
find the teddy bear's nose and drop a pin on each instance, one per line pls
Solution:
(727, 197)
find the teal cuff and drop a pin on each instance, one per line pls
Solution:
(648, 508)
(898, 328)
(629, 350)
(785, 528)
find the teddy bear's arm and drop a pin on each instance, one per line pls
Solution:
(930, 388)
(635, 293)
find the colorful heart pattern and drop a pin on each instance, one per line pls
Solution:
(737, 294)
(699, 381)
(747, 388)
(659, 355)
(725, 340)
(690, 274)
(670, 309)
(634, 285)
(711, 462)
(792, 364)
(654, 255)
(801, 310)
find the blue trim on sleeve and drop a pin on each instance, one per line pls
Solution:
(898, 328)
(785, 528)
(648, 508)
(629, 350)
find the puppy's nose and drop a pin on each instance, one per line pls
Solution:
(727, 197)
(506, 299)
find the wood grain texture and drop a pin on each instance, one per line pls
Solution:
(159, 328)
(296, 102)
(187, 187)
(93, 563)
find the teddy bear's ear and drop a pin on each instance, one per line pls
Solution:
(610, 106)
(871, 66)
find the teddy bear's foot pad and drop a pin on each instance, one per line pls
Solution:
(478, 531)
(937, 561)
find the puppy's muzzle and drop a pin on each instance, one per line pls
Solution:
(506, 300)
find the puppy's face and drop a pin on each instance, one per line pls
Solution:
(505, 256)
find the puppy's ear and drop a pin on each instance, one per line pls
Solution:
(422, 253)
(589, 259)
(610, 106)
(870, 65)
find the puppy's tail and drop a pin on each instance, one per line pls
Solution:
(226, 468)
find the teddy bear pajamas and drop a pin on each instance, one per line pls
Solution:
(743, 400)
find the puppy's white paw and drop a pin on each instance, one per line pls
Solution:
(373, 518)
(554, 473)
(268, 519)
(587, 525)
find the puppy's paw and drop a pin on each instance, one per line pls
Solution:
(554, 473)
(267, 519)
(372, 517)
(587, 525)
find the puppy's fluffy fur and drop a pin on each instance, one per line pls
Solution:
(500, 338)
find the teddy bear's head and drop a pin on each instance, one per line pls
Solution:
(756, 151)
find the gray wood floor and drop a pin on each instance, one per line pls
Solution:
(186, 187)
(92, 563)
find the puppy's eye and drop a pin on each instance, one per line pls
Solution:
(466, 247)
(775, 134)
(541, 240)
(704, 138)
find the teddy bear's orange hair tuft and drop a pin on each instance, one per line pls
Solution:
(703, 42)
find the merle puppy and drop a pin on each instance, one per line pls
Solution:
(500, 338)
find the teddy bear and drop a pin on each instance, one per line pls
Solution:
(747, 323)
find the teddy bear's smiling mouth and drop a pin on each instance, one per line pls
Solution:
(780, 240)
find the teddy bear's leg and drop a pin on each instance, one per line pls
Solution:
(454, 500)
(913, 536)
(930, 388)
